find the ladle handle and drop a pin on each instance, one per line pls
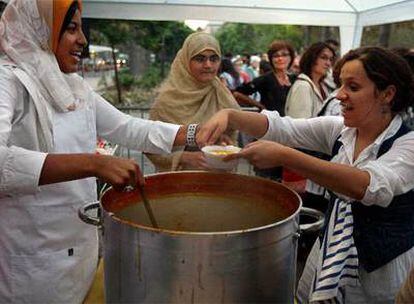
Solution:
(148, 207)
(315, 226)
(83, 215)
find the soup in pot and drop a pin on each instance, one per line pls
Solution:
(205, 213)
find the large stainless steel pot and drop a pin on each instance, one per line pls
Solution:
(148, 265)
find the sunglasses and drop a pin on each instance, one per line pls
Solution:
(202, 59)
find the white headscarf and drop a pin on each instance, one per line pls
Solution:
(25, 35)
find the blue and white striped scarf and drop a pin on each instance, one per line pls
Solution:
(338, 261)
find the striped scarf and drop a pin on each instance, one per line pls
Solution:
(338, 261)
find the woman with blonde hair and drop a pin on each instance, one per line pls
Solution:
(191, 94)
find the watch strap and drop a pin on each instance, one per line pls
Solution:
(191, 135)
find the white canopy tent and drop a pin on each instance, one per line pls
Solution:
(349, 15)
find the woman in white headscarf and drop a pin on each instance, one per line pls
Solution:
(191, 94)
(49, 122)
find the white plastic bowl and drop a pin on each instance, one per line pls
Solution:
(214, 157)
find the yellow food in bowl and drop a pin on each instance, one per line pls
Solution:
(221, 152)
(215, 156)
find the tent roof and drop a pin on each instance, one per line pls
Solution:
(349, 15)
(304, 12)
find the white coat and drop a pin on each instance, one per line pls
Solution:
(47, 254)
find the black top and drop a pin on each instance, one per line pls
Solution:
(272, 94)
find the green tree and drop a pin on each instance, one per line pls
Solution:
(114, 33)
(400, 35)
(164, 38)
(156, 35)
(239, 38)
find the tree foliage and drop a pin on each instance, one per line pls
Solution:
(161, 36)
(155, 36)
(400, 35)
(112, 32)
(239, 38)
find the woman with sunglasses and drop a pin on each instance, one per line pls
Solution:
(273, 87)
(275, 84)
(191, 94)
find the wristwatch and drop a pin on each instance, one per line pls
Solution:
(191, 132)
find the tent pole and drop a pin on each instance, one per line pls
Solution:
(350, 36)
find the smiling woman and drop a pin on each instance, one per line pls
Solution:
(71, 41)
(367, 245)
(49, 121)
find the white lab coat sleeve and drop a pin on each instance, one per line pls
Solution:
(19, 168)
(135, 133)
(316, 134)
(391, 174)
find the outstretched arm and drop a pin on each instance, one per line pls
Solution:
(254, 124)
(344, 179)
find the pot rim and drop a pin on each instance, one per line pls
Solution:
(210, 233)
